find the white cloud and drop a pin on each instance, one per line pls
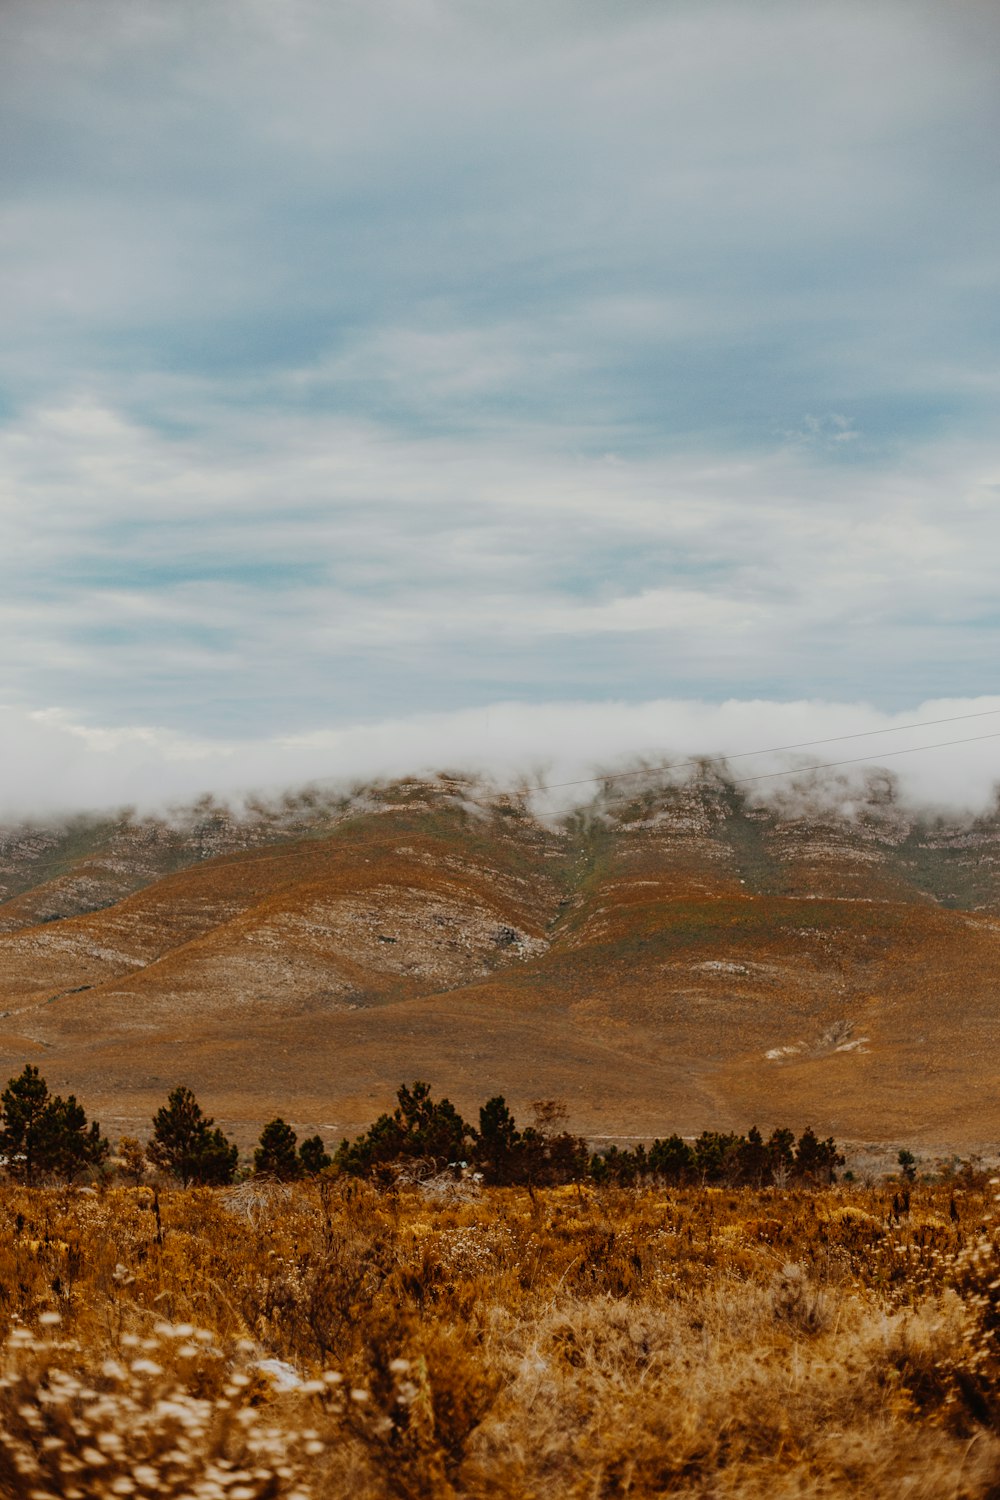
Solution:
(185, 580)
(362, 360)
(55, 765)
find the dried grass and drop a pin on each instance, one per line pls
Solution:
(574, 1343)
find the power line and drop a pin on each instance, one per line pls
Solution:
(857, 759)
(835, 739)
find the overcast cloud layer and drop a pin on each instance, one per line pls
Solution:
(371, 364)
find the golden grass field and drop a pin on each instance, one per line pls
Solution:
(462, 1342)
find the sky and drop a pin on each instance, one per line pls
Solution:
(535, 382)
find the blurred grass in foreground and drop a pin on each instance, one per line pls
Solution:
(456, 1341)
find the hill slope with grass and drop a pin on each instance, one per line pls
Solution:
(667, 957)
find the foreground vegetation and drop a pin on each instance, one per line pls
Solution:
(456, 1339)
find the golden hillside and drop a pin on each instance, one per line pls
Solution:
(667, 958)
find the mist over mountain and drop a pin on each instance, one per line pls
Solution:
(940, 753)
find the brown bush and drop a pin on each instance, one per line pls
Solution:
(329, 1340)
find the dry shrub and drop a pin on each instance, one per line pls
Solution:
(798, 1301)
(422, 1412)
(975, 1275)
(566, 1343)
(720, 1397)
(166, 1420)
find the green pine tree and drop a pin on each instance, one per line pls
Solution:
(276, 1155)
(816, 1160)
(418, 1129)
(42, 1134)
(313, 1157)
(185, 1143)
(672, 1159)
(498, 1140)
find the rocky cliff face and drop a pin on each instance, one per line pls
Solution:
(667, 957)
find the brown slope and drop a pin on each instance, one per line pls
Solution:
(674, 961)
(86, 865)
(396, 903)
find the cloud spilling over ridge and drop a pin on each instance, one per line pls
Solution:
(55, 766)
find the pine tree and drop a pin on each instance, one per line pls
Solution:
(43, 1134)
(498, 1140)
(185, 1143)
(276, 1155)
(781, 1154)
(313, 1157)
(816, 1160)
(418, 1128)
(754, 1166)
(671, 1159)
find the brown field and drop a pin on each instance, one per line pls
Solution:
(462, 1342)
(668, 958)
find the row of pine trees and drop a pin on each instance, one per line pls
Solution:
(44, 1137)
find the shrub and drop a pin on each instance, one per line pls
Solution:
(164, 1422)
(131, 1160)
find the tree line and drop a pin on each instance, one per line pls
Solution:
(44, 1137)
(545, 1153)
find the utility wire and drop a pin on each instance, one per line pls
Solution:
(854, 760)
(835, 739)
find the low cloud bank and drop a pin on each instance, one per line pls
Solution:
(56, 766)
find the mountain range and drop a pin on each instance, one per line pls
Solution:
(668, 956)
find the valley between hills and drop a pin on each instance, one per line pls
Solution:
(668, 957)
